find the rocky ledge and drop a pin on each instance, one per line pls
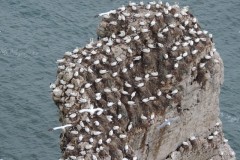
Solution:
(148, 88)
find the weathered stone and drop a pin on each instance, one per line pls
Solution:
(151, 70)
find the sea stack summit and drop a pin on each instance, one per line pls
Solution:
(147, 89)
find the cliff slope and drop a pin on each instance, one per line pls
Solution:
(147, 89)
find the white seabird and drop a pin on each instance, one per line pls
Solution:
(60, 127)
(91, 110)
(167, 122)
(107, 13)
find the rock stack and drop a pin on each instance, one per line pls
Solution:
(147, 89)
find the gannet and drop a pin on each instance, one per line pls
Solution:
(143, 117)
(148, 6)
(172, 25)
(165, 30)
(134, 8)
(116, 127)
(76, 74)
(119, 116)
(91, 110)
(179, 58)
(113, 23)
(68, 53)
(151, 45)
(118, 59)
(147, 15)
(137, 15)
(96, 123)
(109, 117)
(110, 133)
(176, 15)
(107, 13)
(202, 65)
(168, 96)
(61, 67)
(113, 63)
(113, 36)
(63, 82)
(94, 157)
(60, 127)
(174, 48)
(96, 62)
(127, 39)
(115, 74)
(119, 103)
(124, 70)
(160, 35)
(146, 50)
(153, 22)
(108, 140)
(126, 147)
(144, 30)
(145, 100)
(152, 116)
(131, 103)
(122, 34)
(127, 85)
(146, 76)
(160, 45)
(165, 11)
(110, 104)
(142, 23)
(107, 90)
(130, 50)
(87, 85)
(133, 94)
(167, 122)
(88, 146)
(176, 65)
(185, 54)
(158, 14)
(185, 143)
(138, 78)
(133, 28)
(130, 126)
(122, 8)
(215, 133)
(103, 71)
(52, 85)
(152, 98)
(126, 14)
(159, 93)
(122, 136)
(174, 92)
(98, 80)
(131, 65)
(169, 76)
(140, 85)
(192, 138)
(194, 52)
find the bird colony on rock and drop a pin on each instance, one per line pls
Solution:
(108, 89)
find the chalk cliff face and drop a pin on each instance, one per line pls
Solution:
(147, 89)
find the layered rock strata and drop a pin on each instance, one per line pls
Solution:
(147, 89)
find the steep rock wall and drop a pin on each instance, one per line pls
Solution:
(147, 89)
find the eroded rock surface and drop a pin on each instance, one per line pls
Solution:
(147, 89)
